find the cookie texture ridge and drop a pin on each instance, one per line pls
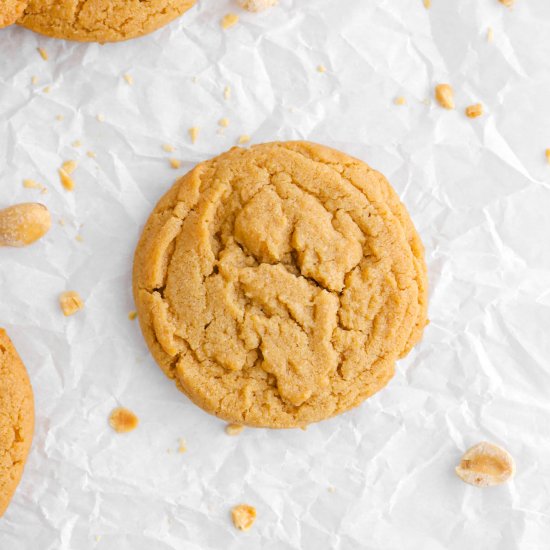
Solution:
(278, 285)
(16, 419)
(10, 11)
(100, 20)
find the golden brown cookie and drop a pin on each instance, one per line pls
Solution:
(278, 285)
(101, 20)
(16, 419)
(10, 11)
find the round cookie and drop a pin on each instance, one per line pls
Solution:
(278, 285)
(10, 11)
(16, 419)
(100, 20)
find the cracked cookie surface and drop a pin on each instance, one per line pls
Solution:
(10, 11)
(100, 20)
(278, 285)
(16, 419)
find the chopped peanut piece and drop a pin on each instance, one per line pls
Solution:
(132, 315)
(227, 92)
(79, 238)
(34, 80)
(234, 429)
(175, 163)
(100, 117)
(76, 143)
(31, 184)
(245, 138)
(23, 224)
(59, 117)
(427, 4)
(507, 3)
(444, 96)
(47, 90)
(473, 111)
(129, 79)
(490, 34)
(194, 134)
(66, 180)
(182, 448)
(243, 516)
(91, 154)
(168, 148)
(400, 100)
(547, 152)
(321, 69)
(123, 420)
(69, 166)
(224, 122)
(257, 5)
(485, 465)
(43, 53)
(70, 302)
(229, 20)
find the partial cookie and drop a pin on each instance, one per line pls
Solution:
(10, 11)
(16, 419)
(278, 285)
(101, 20)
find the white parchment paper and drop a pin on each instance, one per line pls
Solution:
(380, 477)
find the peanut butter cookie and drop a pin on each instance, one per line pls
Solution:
(16, 419)
(100, 20)
(10, 11)
(278, 285)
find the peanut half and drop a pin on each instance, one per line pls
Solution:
(485, 465)
(22, 224)
(444, 96)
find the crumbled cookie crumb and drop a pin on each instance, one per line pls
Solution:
(400, 100)
(321, 69)
(229, 20)
(257, 5)
(100, 117)
(123, 420)
(427, 4)
(66, 181)
(91, 154)
(34, 80)
(194, 134)
(245, 138)
(490, 34)
(76, 143)
(175, 163)
(234, 429)
(507, 3)
(444, 96)
(243, 516)
(70, 302)
(485, 465)
(473, 111)
(43, 53)
(224, 122)
(182, 448)
(132, 315)
(79, 238)
(547, 152)
(331, 489)
(31, 184)
(47, 90)
(59, 117)
(168, 148)
(227, 92)
(69, 166)
(129, 79)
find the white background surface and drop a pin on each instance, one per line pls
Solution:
(478, 191)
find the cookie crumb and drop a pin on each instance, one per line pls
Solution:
(490, 34)
(486, 465)
(100, 117)
(70, 302)
(66, 180)
(243, 516)
(229, 20)
(129, 79)
(43, 53)
(507, 3)
(194, 134)
(132, 315)
(321, 69)
(257, 5)
(61, 222)
(473, 111)
(547, 153)
(97, 538)
(427, 4)
(31, 184)
(182, 447)
(227, 92)
(69, 166)
(400, 100)
(195, 79)
(91, 154)
(175, 163)
(234, 429)
(76, 143)
(444, 96)
(123, 420)
(224, 122)
(34, 80)
(59, 117)
(47, 90)
(245, 138)
(79, 238)
(168, 148)
(331, 489)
